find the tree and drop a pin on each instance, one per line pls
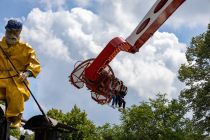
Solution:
(196, 75)
(108, 132)
(78, 120)
(158, 119)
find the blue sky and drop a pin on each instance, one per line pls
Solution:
(65, 31)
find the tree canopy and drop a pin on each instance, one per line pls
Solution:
(77, 119)
(158, 119)
(196, 75)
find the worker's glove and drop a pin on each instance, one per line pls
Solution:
(23, 75)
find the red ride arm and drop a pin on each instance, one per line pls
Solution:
(157, 15)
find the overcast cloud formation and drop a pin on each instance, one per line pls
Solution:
(61, 36)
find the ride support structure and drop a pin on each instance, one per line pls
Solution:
(92, 72)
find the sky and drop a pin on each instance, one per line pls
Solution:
(63, 32)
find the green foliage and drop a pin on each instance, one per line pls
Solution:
(106, 132)
(156, 120)
(196, 75)
(15, 133)
(78, 120)
(29, 137)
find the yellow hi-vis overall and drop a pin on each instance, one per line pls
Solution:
(11, 89)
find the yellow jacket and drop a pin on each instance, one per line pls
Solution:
(23, 57)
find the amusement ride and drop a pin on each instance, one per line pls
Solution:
(96, 73)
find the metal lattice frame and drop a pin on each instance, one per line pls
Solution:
(78, 79)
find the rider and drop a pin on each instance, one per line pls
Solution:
(114, 88)
(122, 93)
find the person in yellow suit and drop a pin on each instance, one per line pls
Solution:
(12, 87)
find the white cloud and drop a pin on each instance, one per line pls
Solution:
(191, 13)
(38, 31)
(54, 35)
